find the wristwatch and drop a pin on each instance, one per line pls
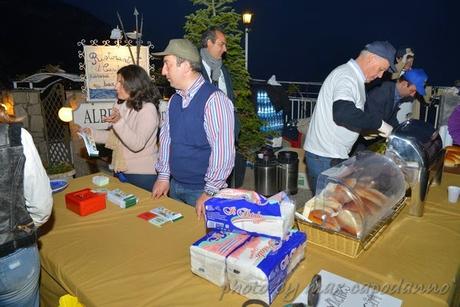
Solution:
(210, 193)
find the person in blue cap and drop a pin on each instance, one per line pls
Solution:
(339, 114)
(384, 100)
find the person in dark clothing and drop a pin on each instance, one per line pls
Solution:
(384, 100)
(404, 61)
(26, 204)
(213, 48)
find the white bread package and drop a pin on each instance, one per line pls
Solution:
(259, 268)
(247, 212)
(208, 254)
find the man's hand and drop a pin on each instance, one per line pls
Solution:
(385, 129)
(160, 188)
(199, 206)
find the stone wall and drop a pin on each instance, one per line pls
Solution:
(27, 105)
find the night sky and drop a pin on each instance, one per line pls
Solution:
(299, 40)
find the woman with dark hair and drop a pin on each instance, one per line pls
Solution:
(134, 125)
(26, 204)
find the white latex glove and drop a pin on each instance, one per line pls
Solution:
(385, 129)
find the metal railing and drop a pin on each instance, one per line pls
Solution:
(301, 107)
(302, 96)
(303, 102)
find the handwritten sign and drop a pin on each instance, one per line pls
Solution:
(102, 64)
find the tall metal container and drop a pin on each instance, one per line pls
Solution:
(417, 148)
(265, 174)
(288, 171)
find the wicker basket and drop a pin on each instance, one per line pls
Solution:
(343, 244)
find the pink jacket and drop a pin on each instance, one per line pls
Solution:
(137, 131)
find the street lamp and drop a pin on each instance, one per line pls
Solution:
(247, 16)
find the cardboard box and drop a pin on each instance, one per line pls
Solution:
(84, 202)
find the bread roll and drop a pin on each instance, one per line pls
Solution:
(328, 202)
(339, 193)
(369, 207)
(449, 161)
(324, 219)
(452, 157)
(453, 149)
(350, 222)
(351, 182)
(373, 195)
(354, 207)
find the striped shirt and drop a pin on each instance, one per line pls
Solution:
(219, 128)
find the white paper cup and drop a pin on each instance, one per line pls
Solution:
(453, 193)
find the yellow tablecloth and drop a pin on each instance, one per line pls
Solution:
(113, 258)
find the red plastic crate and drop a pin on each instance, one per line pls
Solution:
(85, 202)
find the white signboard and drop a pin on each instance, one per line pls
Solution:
(102, 64)
(91, 115)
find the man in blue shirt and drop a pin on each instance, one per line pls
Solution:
(197, 142)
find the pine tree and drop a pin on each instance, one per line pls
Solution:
(218, 13)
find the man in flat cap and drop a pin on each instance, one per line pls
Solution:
(338, 117)
(197, 143)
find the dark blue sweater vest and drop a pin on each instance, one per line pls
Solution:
(190, 150)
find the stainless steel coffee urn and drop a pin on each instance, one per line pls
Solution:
(288, 171)
(417, 148)
(265, 174)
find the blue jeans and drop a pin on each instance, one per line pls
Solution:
(19, 278)
(315, 166)
(143, 181)
(183, 194)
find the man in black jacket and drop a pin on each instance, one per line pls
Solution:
(384, 100)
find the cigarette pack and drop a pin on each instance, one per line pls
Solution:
(167, 214)
(122, 199)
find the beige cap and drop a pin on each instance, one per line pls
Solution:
(182, 48)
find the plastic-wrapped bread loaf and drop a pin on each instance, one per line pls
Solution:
(235, 211)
